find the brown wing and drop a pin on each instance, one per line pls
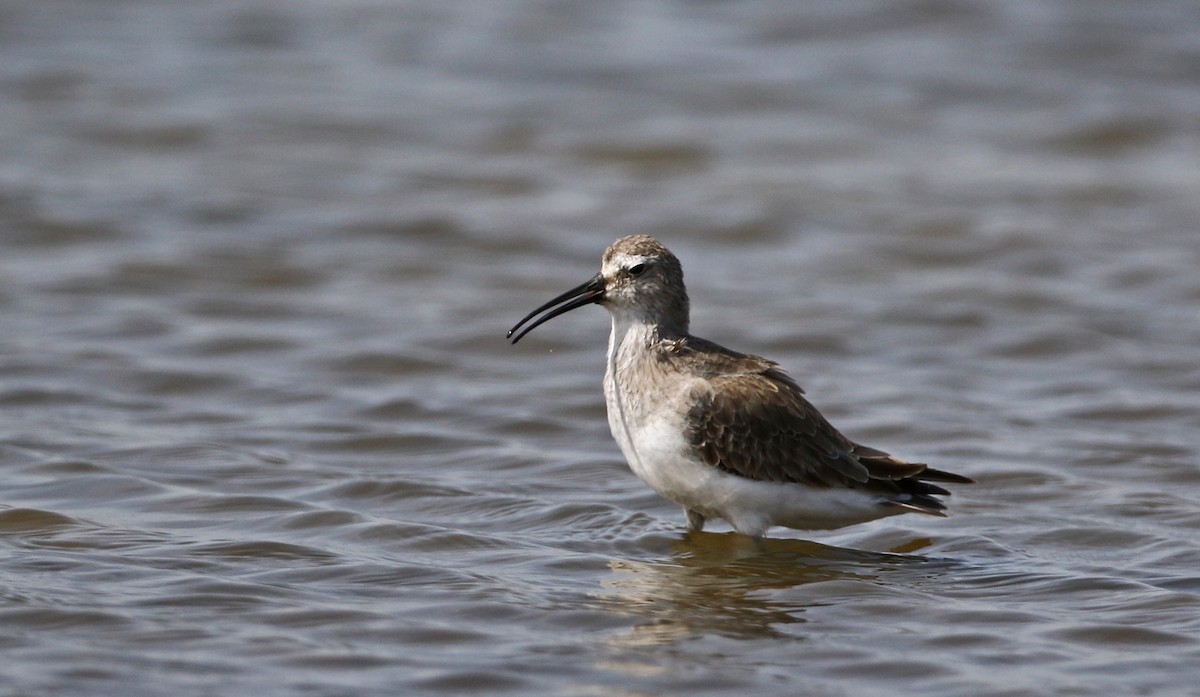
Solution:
(758, 425)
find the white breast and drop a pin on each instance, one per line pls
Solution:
(646, 411)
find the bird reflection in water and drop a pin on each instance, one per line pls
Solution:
(730, 585)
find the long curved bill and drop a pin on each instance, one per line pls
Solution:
(581, 295)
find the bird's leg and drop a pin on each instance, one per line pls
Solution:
(695, 521)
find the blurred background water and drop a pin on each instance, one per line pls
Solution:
(260, 431)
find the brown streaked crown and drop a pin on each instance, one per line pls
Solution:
(639, 246)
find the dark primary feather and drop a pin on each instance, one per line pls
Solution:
(754, 422)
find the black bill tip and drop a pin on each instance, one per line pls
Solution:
(584, 294)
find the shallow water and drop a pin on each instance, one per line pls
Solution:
(261, 432)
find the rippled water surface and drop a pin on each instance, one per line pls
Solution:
(260, 432)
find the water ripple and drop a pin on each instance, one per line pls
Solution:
(262, 433)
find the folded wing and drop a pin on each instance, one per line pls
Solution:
(759, 425)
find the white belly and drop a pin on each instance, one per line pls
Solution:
(656, 448)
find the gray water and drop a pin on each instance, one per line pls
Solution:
(261, 432)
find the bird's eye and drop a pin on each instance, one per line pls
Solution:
(637, 269)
